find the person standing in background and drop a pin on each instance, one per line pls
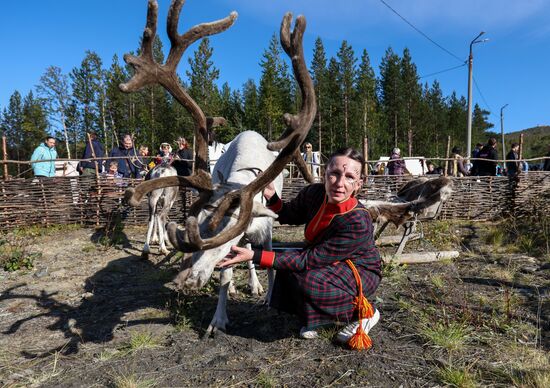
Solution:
(45, 151)
(183, 162)
(95, 151)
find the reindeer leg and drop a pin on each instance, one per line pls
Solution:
(162, 233)
(220, 320)
(253, 283)
(146, 248)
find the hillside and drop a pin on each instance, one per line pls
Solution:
(536, 140)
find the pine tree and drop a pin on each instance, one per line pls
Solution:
(86, 86)
(318, 74)
(412, 92)
(346, 81)
(54, 93)
(435, 130)
(202, 78)
(390, 95)
(12, 127)
(332, 107)
(480, 125)
(366, 99)
(34, 125)
(117, 104)
(251, 106)
(275, 91)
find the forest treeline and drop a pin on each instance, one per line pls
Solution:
(393, 109)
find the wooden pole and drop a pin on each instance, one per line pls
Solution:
(5, 157)
(99, 192)
(447, 155)
(410, 138)
(520, 146)
(366, 154)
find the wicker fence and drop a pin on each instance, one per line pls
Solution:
(87, 200)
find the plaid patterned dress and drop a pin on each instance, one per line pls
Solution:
(315, 282)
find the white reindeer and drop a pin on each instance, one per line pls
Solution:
(225, 211)
(160, 202)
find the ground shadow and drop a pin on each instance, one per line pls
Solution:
(130, 284)
(124, 285)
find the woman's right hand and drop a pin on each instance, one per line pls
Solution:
(269, 191)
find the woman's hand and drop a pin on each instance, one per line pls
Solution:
(237, 255)
(269, 191)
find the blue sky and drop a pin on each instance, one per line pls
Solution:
(511, 68)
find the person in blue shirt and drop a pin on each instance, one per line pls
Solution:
(128, 166)
(45, 151)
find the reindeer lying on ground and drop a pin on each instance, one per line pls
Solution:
(160, 202)
(225, 212)
(418, 199)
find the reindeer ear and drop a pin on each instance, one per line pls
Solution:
(259, 210)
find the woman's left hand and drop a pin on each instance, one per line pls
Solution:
(237, 255)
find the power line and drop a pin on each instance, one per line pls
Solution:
(443, 71)
(491, 113)
(420, 32)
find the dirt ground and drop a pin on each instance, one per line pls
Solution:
(89, 314)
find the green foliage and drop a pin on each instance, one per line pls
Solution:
(449, 336)
(15, 256)
(140, 339)
(352, 103)
(441, 234)
(456, 377)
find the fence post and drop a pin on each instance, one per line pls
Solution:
(447, 156)
(98, 208)
(365, 155)
(5, 157)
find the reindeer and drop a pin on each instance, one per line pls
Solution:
(225, 212)
(160, 202)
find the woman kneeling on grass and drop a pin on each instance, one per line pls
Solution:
(329, 280)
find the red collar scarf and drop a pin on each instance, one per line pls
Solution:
(325, 215)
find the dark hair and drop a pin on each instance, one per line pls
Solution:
(492, 141)
(350, 153)
(48, 138)
(456, 150)
(514, 145)
(479, 145)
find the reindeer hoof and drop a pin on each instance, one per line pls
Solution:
(145, 255)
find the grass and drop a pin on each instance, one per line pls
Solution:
(265, 379)
(141, 339)
(438, 282)
(524, 366)
(442, 234)
(15, 255)
(130, 380)
(495, 236)
(108, 354)
(39, 230)
(449, 336)
(456, 377)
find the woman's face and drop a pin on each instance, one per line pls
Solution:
(343, 178)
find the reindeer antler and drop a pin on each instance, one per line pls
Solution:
(149, 72)
(297, 129)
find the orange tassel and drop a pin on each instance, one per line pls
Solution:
(364, 308)
(360, 340)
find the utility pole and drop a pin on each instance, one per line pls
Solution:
(502, 130)
(470, 63)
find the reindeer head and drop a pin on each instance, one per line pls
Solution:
(231, 214)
